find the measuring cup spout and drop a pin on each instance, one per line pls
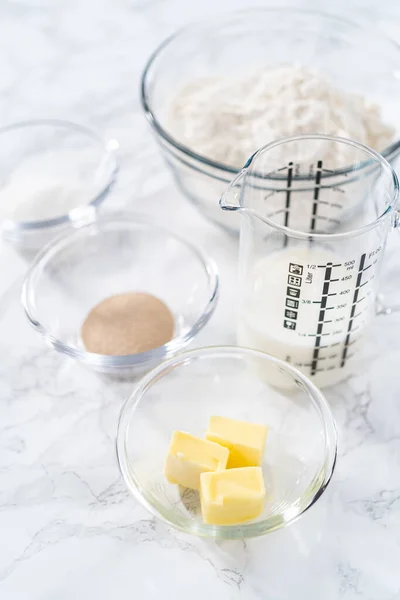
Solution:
(230, 200)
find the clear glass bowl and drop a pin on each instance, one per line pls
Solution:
(184, 392)
(347, 54)
(112, 256)
(52, 174)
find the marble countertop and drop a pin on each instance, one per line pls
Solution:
(69, 528)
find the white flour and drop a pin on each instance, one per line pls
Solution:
(227, 119)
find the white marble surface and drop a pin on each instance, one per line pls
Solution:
(69, 529)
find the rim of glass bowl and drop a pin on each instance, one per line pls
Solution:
(28, 297)
(236, 16)
(316, 488)
(109, 153)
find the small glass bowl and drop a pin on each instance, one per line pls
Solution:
(185, 392)
(52, 174)
(112, 256)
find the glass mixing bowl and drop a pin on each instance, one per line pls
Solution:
(111, 256)
(185, 392)
(348, 55)
(52, 174)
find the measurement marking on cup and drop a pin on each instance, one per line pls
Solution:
(333, 266)
(288, 192)
(330, 219)
(330, 346)
(316, 194)
(350, 329)
(325, 203)
(349, 345)
(321, 317)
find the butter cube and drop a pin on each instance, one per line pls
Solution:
(233, 496)
(189, 457)
(245, 441)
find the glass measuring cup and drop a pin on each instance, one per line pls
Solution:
(311, 248)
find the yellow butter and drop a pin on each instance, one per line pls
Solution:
(232, 496)
(245, 441)
(189, 457)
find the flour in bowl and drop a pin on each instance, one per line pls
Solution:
(226, 119)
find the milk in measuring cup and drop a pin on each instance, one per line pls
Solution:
(308, 307)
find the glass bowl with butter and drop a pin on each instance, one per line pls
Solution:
(209, 445)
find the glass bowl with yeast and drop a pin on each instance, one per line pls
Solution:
(120, 294)
(210, 446)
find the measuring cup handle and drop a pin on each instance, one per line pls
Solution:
(382, 306)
